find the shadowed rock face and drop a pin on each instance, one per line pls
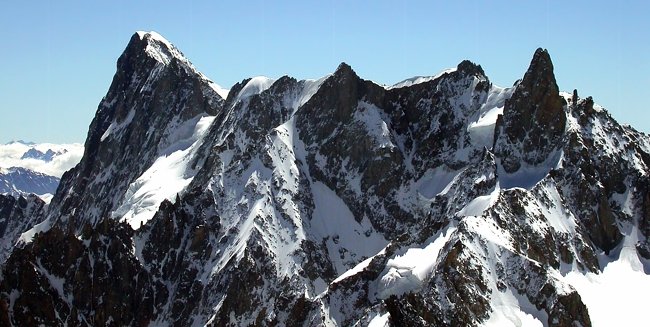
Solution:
(298, 182)
(533, 120)
(17, 215)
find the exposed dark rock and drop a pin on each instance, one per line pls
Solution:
(65, 280)
(533, 118)
(154, 91)
(17, 215)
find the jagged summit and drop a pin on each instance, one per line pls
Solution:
(343, 67)
(345, 71)
(156, 46)
(161, 51)
(153, 35)
(154, 106)
(470, 68)
(541, 63)
(533, 119)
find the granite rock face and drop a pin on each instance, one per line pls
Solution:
(533, 121)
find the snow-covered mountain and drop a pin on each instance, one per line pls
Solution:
(17, 181)
(27, 167)
(442, 200)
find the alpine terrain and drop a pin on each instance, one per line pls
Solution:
(30, 168)
(438, 201)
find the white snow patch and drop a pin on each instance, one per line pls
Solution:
(528, 176)
(436, 181)
(348, 241)
(559, 218)
(507, 312)
(309, 88)
(380, 320)
(489, 230)
(481, 132)
(477, 206)
(115, 126)
(167, 176)
(223, 92)
(616, 296)
(358, 268)
(47, 197)
(161, 50)
(408, 271)
(28, 236)
(481, 127)
(154, 35)
(488, 118)
(419, 79)
(256, 85)
(625, 200)
(369, 115)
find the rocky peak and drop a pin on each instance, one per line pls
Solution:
(533, 118)
(344, 70)
(158, 47)
(470, 68)
(155, 93)
(333, 103)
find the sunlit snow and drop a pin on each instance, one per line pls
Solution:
(356, 239)
(168, 176)
(507, 312)
(406, 272)
(419, 79)
(616, 296)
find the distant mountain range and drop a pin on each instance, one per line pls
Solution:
(27, 167)
(18, 180)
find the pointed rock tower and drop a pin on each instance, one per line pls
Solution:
(533, 120)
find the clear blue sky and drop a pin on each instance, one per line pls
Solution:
(58, 58)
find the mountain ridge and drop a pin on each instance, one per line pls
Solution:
(334, 202)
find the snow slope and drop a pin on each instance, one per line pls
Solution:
(167, 176)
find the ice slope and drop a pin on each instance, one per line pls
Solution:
(349, 245)
(616, 296)
(408, 271)
(166, 177)
(481, 126)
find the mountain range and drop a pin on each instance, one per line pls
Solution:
(31, 168)
(438, 201)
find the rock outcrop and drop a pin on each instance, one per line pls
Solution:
(534, 119)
